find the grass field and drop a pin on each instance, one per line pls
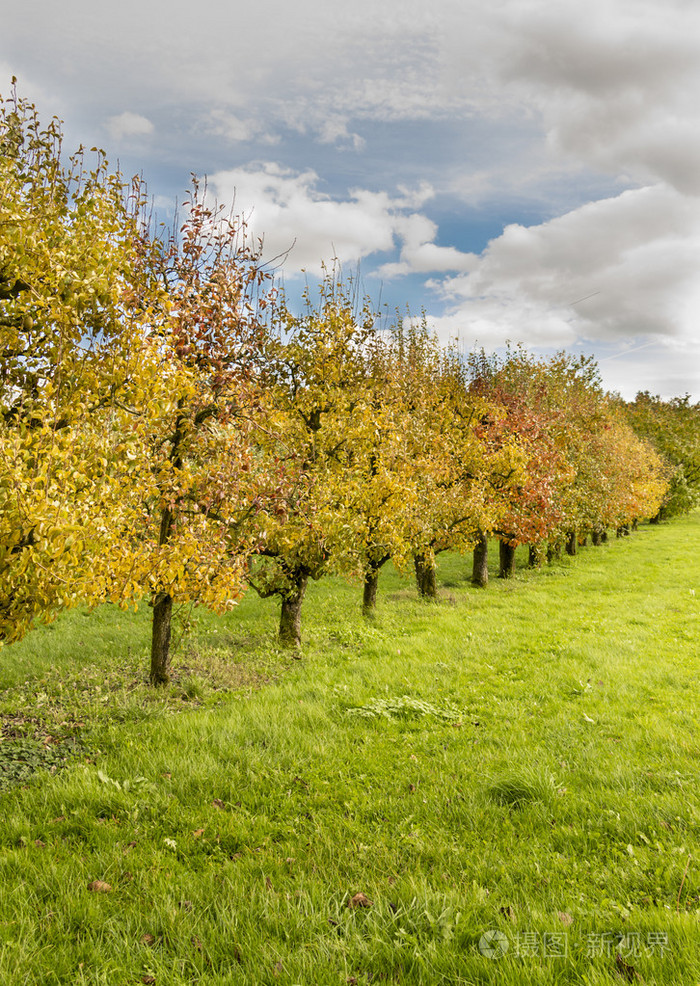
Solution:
(498, 788)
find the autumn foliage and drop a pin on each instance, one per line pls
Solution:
(172, 430)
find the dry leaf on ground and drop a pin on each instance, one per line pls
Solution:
(360, 900)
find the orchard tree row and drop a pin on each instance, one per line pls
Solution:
(172, 431)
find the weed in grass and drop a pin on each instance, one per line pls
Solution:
(405, 707)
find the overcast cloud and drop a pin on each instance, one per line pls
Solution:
(528, 172)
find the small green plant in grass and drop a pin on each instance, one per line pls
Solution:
(405, 707)
(20, 759)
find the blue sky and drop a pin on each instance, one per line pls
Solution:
(528, 171)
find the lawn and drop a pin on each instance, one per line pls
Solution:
(497, 788)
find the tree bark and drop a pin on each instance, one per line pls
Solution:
(160, 639)
(571, 543)
(480, 563)
(426, 578)
(162, 601)
(506, 556)
(597, 538)
(369, 596)
(162, 617)
(623, 531)
(290, 617)
(604, 536)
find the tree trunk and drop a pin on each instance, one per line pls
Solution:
(369, 596)
(160, 639)
(571, 543)
(597, 538)
(162, 616)
(480, 564)
(604, 536)
(583, 541)
(506, 556)
(635, 524)
(290, 617)
(656, 519)
(426, 579)
(623, 531)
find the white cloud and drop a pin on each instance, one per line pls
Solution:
(128, 125)
(293, 215)
(237, 129)
(420, 254)
(619, 269)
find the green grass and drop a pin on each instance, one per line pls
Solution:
(521, 759)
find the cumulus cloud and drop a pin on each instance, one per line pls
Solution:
(420, 254)
(618, 269)
(128, 125)
(295, 217)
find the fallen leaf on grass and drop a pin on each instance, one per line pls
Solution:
(197, 833)
(218, 803)
(277, 968)
(565, 918)
(268, 883)
(186, 905)
(148, 939)
(99, 887)
(509, 912)
(360, 900)
(197, 943)
(148, 980)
